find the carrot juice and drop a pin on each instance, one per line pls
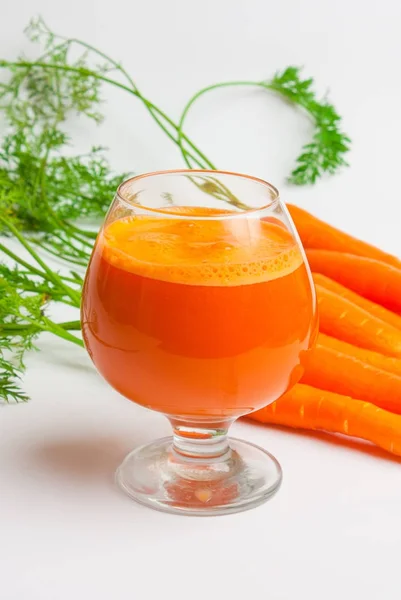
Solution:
(198, 316)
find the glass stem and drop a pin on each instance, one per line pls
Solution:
(197, 440)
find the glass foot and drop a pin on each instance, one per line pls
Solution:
(158, 476)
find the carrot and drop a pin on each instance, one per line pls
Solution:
(319, 235)
(328, 369)
(344, 320)
(374, 359)
(375, 309)
(368, 277)
(306, 407)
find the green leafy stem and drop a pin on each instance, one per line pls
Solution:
(325, 153)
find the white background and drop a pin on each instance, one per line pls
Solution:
(334, 529)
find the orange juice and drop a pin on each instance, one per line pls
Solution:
(201, 316)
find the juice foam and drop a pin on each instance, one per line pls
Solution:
(208, 252)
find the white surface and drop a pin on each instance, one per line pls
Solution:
(334, 529)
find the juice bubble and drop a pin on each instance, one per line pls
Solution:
(226, 252)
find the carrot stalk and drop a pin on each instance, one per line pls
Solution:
(306, 407)
(374, 359)
(328, 369)
(346, 321)
(375, 309)
(319, 235)
(368, 277)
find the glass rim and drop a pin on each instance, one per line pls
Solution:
(168, 213)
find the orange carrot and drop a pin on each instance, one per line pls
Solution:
(328, 369)
(368, 277)
(305, 407)
(374, 359)
(319, 235)
(344, 320)
(375, 309)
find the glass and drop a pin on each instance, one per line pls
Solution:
(198, 303)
